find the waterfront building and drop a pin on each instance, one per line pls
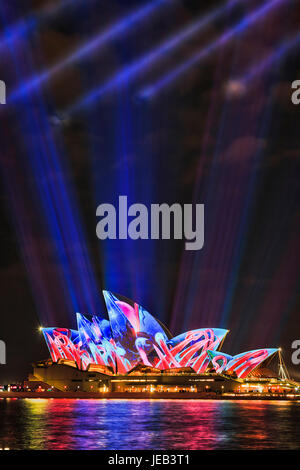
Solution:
(134, 352)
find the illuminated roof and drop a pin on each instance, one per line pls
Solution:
(132, 336)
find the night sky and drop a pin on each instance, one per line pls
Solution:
(215, 134)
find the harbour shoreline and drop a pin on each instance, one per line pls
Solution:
(145, 396)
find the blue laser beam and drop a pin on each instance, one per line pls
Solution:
(270, 60)
(152, 57)
(247, 78)
(246, 23)
(97, 42)
(191, 282)
(24, 26)
(56, 198)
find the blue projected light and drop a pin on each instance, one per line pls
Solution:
(153, 56)
(245, 81)
(91, 46)
(247, 22)
(56, 199)
(24, 26)
(270, 60)
(14, 32)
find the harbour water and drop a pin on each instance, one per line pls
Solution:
(148, 424)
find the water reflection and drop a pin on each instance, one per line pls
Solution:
(148, 424)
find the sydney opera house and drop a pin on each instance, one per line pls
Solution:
(134, 352)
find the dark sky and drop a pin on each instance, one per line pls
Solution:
(205, 138)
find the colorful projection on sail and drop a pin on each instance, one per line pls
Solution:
(133, 336)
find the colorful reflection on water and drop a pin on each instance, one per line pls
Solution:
(148, 424)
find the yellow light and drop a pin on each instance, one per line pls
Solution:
(41, 328)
